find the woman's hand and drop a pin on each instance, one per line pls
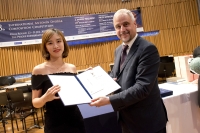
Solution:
(50, 94)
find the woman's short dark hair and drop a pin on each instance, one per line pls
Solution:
(45, 38)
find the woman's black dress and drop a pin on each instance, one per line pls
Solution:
(58, 118)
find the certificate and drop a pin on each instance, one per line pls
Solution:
(83, 87)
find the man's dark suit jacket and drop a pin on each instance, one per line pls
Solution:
(138, 102)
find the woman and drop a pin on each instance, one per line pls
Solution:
(58, 118)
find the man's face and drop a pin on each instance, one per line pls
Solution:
(125, 27)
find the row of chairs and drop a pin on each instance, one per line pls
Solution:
(17, 105)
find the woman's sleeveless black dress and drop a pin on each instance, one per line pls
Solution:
(58, 118)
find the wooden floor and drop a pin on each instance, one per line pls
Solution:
(29, 123)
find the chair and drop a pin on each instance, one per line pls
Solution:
(162, 71)
(111, 66)
(21, 100)
(166, 59)
(29, 107)
(170, 69)
(109, 72)
(4, 101)
(42, 110)
(24, 89)
(166, 70)
(28, 97)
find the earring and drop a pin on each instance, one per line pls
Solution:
(47, 55)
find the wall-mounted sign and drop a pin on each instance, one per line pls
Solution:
(77, 29)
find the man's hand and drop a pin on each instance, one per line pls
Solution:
(115, 79)
(100, 101)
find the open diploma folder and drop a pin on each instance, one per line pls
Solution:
(83, 87)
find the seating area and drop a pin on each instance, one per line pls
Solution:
(16, 107)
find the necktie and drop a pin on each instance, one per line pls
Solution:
(123, 55)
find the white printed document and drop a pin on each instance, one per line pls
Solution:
(83, 87)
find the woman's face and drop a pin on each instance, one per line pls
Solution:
(55, 46)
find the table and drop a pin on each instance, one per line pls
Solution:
(16, 85)
(100, 119)
(182, 109)
(28, 81)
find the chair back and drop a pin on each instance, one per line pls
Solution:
(28, 98)
(162, 70)
(16, 96)
(23, 88)
(3, 98)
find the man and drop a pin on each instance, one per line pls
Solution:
(138, 102)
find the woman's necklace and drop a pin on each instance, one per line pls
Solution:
(59, 69)
(56, 69)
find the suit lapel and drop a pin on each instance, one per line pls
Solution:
(118, 59)
(130, 54)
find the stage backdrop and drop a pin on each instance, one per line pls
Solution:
(84, 29)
